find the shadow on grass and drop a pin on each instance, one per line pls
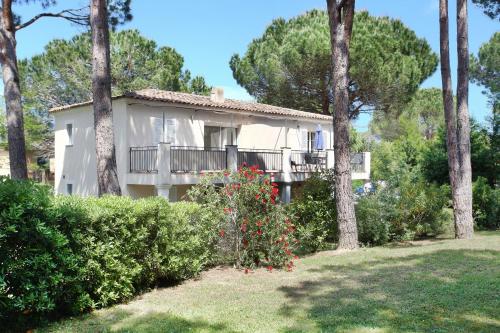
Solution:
(443, 291)
(124, 321)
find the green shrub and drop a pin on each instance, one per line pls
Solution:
(39, 272)
(314, 211)
(486, 208)
(405, 208)
(66, 255)
(128, 245)
(254, 229)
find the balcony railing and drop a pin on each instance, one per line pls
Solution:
(143, 159)
(266, 160)
(308, 161)
(357, 162)
(184, 159)
(197, 159)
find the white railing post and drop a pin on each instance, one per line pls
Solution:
(367, 164)
(164, 180)
(330, 159)
(232, 157)
(286, 169)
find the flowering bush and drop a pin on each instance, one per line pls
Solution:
(254, 229)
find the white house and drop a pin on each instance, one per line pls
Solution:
(164, 140)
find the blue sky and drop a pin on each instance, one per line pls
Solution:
(207, 33)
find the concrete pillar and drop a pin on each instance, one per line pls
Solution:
(286, 192)
(163, 190)
(164, 179)
(330, 159)
(163, 163)
(232, 157)
(286, 169)
(367, 161)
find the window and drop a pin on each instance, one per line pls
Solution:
(311, 139)
(69, 133)
(69, 189)
(219, 137)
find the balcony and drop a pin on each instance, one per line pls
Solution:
(186, 160)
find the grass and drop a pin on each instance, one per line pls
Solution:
(426, 286)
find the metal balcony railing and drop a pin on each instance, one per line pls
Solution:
(265, 159)
(143, 159)
(197, 159)
(308, 161)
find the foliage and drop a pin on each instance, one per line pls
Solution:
(490, 7)
(485, 69)
(254, 229)
(314, 210)
(486, 207)
(39, 272)
(66, 255)
(290, 64)
(425, 110)
(405, 207)
(485, 154)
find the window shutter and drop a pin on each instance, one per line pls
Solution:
(157, 130)
(303, 139)
(170, 127)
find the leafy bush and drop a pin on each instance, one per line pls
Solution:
(486, 207)
(39, 272)
(254, 229)
(66, 255)
(405, 208)
(314, 211)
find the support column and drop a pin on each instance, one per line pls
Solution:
(330, 159)
(232, 157)
(163, 191)
(367, 162)
(286, 169)
(164, 179)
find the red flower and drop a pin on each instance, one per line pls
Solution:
(288, 252)
(227, 210)
(274, 184)
(222, 232)
(270, 268)
(273, 201)
(244, 164)
(257, 196)
(246, 270)
(244, 227)
(258, 223)
(259, 232)
(266, 181)
(295, 257)
(275, 191)
(245, 242)
(226, 173)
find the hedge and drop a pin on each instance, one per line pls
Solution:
(67, 255)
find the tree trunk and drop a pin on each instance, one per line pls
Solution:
(464, 227)
(339, 28)
(107, 177)
(461, 200)
(12, 94)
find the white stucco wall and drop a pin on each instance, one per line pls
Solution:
(76, 164)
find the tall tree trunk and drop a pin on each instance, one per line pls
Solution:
(12, 94)
(455, 142)
(107, 177)
(464, 227)
(340, 20)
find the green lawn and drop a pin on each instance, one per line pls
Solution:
(427, 286)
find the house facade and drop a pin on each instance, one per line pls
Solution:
(165, 140)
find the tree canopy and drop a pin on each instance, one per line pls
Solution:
(424, 114)
(490, 7)
(290, 64)
(485, 68)
(62, 74)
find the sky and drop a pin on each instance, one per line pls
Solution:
(208, 33)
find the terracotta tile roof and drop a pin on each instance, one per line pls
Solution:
(205, 101)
